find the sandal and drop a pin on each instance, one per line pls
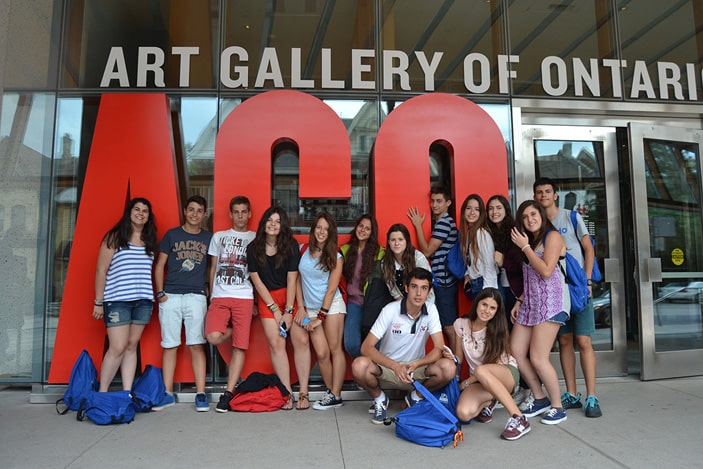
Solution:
(303, 398)
(289, 403)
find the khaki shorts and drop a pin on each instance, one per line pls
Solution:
(388, 379)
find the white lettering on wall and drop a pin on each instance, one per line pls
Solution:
(585, 77)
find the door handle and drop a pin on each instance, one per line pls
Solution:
(652, 270)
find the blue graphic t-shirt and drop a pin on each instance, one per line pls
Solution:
(187, 260)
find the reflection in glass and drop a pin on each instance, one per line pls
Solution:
(25, 145)
(577, 168)
(676, 230)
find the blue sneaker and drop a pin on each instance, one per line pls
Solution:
(410, 400)
(592, 407)
(379, 414)
(569, 401)
(534, 409)
(554, 416)
(167, 401)
(201, 402)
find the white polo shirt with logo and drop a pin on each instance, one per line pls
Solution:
(400, 339)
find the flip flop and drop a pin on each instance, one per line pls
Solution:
(303, 397)
(289, 403)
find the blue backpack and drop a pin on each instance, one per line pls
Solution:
(596, 276)
(456, 264)
(107, 408)
(83, 381)
(433, 420)
(575, 278)
(148, 389)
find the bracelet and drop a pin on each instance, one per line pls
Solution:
(464, 384)
(525, 247)
(325, 310)
(518, 300)
(273, 307)
(321, 315)
(289, 310)
(99, 304)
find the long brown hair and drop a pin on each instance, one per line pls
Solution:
(407, 259)
(118, 236)
(285, 243)
(328, 255)
(368, 255)
(497, 335)
(545, 227)
(468, 233)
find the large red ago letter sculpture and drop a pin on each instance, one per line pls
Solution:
(131, 156)
(401, 158)
(243, 165)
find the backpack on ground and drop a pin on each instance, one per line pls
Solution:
(148, 389)
(596, 276)
(107, 408)
(83, 381)
(259, 393)
(433, 420)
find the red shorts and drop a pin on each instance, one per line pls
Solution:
(279, 297)
(231, 312)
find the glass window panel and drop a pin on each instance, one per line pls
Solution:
(30, 44)
(577, 169)
(26, 129)
(653, 32)
(568, 30)
(94, 27)
(311, 26)
(455, 29)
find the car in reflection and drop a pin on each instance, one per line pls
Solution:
(666, 292)
(689, 294)
(603, 310)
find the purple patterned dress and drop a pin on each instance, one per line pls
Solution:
(543, 299)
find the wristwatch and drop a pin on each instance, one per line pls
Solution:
(589, 282)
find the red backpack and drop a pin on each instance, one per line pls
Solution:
(259, 393)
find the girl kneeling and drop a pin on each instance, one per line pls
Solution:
(482, 337)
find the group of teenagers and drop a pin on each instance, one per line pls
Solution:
(213, 284)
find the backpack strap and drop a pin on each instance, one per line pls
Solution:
(435, 403)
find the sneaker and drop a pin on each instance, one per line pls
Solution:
(535, 409)
(379, 413)
(591, 407)
(372, 408)
(328, 401)
(520, 395)
(201, 402)
(167, 401)
(486, 415)
(516, 428)
(569, 401)
(410, 400)
(223, 405)
(554, 416)
(529, 400)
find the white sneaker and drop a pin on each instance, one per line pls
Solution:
(527, 403)
(520, 395)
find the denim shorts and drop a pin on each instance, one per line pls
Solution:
(559, 318)
(123, 313)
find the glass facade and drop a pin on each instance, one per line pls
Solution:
(363, 58)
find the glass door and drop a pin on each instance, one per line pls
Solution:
(666, 162)
(583, 162)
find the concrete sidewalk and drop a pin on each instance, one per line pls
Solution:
(644, 424)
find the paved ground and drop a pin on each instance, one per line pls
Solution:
(645, 424)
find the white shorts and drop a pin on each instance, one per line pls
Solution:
(182, 309)
(337, 307)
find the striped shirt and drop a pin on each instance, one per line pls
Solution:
(445, 231)
(129, 276)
